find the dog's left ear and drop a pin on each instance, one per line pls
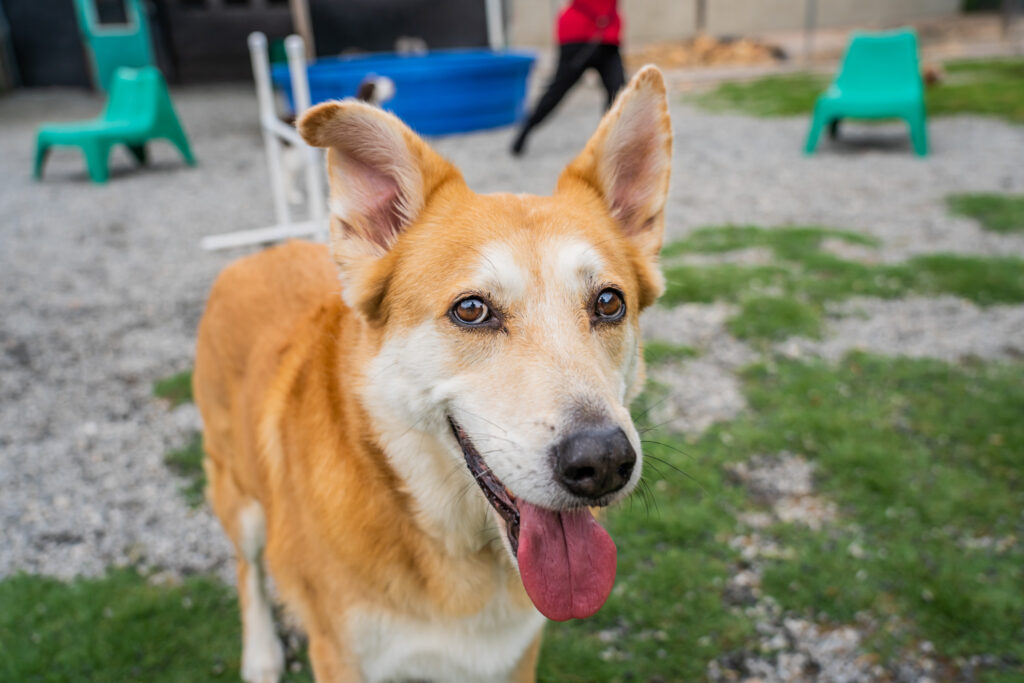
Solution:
(627, 162)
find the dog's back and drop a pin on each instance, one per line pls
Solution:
(253, 306)
(249, 336)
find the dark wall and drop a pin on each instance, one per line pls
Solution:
(982, 5)
(199, 40)
(373, 25)
(47, 46)
(207, 41)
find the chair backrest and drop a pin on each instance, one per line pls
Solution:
(114, 45)
(881, 62)
(135, 95)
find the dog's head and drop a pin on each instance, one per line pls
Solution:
(505, 327)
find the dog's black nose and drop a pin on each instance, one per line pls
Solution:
(594, 462)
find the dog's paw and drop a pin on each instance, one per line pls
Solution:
(263, 662)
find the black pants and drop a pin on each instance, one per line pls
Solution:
(573, 60)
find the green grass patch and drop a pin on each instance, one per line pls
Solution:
(187, 462)
(923, 457)
(177, 388)
(813, 277)
(666, 618)
(783, 95)
(661, 352)
(119, 628)
(787, 242)
(1009, 68)
(774, 319)
(726, 281)
(993, 87)
(995, 212)
(985, 281)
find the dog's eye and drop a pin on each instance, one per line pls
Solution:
(609, 306)
(471, 311)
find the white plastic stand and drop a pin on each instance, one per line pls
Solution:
(275, 133)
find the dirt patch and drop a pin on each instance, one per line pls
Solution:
(786, 483)
(705, 50)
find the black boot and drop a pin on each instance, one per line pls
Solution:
(519, 144)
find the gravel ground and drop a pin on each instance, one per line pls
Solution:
(788, 649)
(103, 286)
(703, 390)
(945, 327)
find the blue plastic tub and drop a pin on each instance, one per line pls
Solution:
(442, 92)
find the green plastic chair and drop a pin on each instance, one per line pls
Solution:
(114, 45)
(880, 78)
(138, 110)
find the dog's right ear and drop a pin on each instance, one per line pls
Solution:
(627, 163)
(380, 174)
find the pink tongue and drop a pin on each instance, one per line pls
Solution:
(566, 560)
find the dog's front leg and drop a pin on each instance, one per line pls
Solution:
(332, 663)
(262, 654)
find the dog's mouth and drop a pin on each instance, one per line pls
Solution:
(500, 498)
(566, 559)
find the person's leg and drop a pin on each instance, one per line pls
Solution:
(571, 64)
(608, 63)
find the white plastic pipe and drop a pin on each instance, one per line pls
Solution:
(275, 133)
(295, 48)
(265, 100)
(274, 233)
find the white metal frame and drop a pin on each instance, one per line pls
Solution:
(495, 14)
(275, 133)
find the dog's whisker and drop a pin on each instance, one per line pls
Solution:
(651, 465)
(645, 495)
(416, 424)
(651, 428)
(672, 448)
(679, 471)
(483, 419)
(646, 487)
(652, 406)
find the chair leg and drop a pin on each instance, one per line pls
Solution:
(42, 151)
(833, 129)
(139, 152)
(179, 140)
(918, 133)
(96, 155)
(817, 123)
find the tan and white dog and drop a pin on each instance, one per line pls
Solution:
(414, 452)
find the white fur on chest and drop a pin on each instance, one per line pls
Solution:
(483, 647)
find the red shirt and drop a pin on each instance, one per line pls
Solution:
(584, 21)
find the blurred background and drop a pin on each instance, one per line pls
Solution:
(834, 415)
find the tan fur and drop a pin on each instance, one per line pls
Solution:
(289, 366)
